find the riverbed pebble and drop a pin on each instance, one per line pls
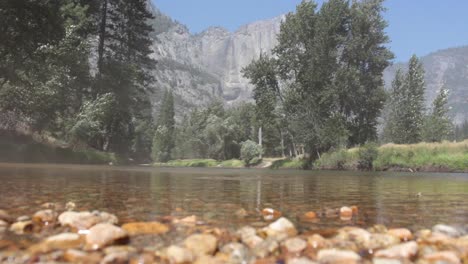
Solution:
(5, 216)
(402, 251)
(176, 254)
(446, 230)
(22, 227)
(201, 244)
(295, 245)
(102, 235)
(58, 242)
(402, 233)
(338, 256)
(86, 220)
(172, 241)
(145, 228)
(346, 212)
(281, 229)
(45, 217)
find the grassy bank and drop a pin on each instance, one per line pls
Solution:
(202, 163)
(24, 149)
(443, 157)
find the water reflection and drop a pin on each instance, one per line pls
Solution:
(214, 195)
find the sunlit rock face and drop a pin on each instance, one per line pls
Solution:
(207, 66)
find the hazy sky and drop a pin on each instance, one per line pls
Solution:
(415, 26)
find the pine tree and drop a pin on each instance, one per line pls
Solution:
(164, 138)
(438, 125)
(393, 126)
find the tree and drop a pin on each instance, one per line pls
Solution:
(164, 138)
(405, 123)
(249, 151)
(438, 125)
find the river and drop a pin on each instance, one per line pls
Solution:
(413, 200)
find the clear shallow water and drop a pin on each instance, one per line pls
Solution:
(144, 194)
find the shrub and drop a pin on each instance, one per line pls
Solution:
(249, 151)
(367, 155)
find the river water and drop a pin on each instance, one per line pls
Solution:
(410, 200)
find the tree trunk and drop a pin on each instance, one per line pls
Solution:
(260, 140)
(102, 36)
(282, 144)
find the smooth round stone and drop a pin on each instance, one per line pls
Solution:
(402, 233)
(302, 260)
(337, 256)
(447, 230)
(23, 227)
(116, 258)
(248, 236)
(6, 217)
(78, 256)
(405, 250)
(102, 235)
(446, 257)
(177, 255)
(236, 252)
(58, 242)
(295, 245)
(241, 213)
(317, 242)
(201, 244)
(85, 220)
(209, 260)
(45, 216)
(266, 248)
(346, 212)
(281, 228)
(145, 228)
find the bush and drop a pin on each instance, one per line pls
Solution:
(367, 155)
(337, 160)
(249, 151)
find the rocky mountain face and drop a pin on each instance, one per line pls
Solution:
(207, 66)
(202, 67)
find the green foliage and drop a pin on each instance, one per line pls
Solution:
(437, 125)
(405, 123)
(330, 64)
(249, 151)
(289, 164)
(367, 155)
(339, 159)
(164, 138)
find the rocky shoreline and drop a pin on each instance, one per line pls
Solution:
(58, 234)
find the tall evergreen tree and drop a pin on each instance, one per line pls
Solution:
(164, 138)
(438, 125)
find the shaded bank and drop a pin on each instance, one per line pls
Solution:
(25, 149)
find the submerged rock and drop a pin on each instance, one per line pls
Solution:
(78, 256)
(295, 245)
(58, 242)
(266, 248)
(281, 228)
(302, 260)
(402, 251)
(102, 235)
(248, 236)
(447, 230)
(6, 217)
(116, 258)
(85, 220)
(346, 212)
(235, 253)
(45, 217)
(23, 227)
(338, 256)
(402, 233)
(446, 257)
(201, 244)
(145, 228)
(177, 255)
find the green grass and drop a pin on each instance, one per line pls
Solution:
(427, 156)
(232, 164)
(203, 163)
(288, 164)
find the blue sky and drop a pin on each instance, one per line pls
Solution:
(415, 26)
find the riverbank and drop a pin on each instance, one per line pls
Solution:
(422, 157)
(15, 148)
(56, 233)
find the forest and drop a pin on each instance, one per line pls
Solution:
(78, 73)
